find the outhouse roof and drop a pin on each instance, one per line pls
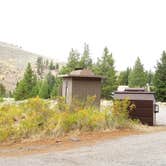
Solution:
(82, 73)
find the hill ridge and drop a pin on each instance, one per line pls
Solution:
(13, 61)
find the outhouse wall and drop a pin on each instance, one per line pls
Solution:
(83, 87)
(67, 89)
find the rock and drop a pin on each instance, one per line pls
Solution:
(74, 139)
(16, 119)
(58, 141)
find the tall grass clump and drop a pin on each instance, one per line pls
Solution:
(120, 114)
(39, 118)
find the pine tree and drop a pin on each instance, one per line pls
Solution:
(44, 90)
(73, 62)
(45, 87)
(46, 63)
(124, 77)
(57, 66)
(86, 61)
(37, 87)
(137, 77)
(51, 81)
(149, 77)
(26, 87)
(55, 89)
(105, 67)
(40, 66)
(160, 78)
(52, 66)
(2, 90)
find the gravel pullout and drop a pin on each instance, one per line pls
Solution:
(138, 150)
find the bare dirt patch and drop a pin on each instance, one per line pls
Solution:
(46, 145)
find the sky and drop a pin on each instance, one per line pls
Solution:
(129, 28)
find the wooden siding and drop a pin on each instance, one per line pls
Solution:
(81, 88)
(67, 89)
(144, 111)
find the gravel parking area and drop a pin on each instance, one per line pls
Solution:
(136, 150)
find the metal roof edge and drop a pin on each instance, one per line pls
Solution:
(132, 92)
(80, 76)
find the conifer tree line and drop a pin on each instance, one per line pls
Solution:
(42, 64)
(31, 85)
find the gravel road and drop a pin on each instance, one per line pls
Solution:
(136, 150)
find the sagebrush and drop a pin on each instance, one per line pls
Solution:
(40, 118)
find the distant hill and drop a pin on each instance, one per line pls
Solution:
(13, 61)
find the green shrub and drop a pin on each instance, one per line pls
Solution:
(1, 99)
(35, 117)
(120, 114)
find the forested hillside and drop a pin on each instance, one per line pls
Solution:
(13, 61)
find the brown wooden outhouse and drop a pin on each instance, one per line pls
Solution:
(80, 84)
(144, 101)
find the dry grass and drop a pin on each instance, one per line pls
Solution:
(36, 118)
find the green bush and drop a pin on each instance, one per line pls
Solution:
(37, 118)
(120, 114)
(1, 99)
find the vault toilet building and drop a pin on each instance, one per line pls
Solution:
(80, 84)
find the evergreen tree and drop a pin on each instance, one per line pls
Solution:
(52, 66)
(137, 77)
(46, 63)
(160, 78)
(26, 87)
(46, 86)
(149, 77)
(105, 67)
(55, 89)
(86, 61)
(73, 62)
(37, 87)
(44, 90)
(57, 66)
(50, 81)
(124, 77)
(2, 90)
(40, 66)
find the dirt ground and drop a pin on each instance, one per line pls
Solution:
(28, 147)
